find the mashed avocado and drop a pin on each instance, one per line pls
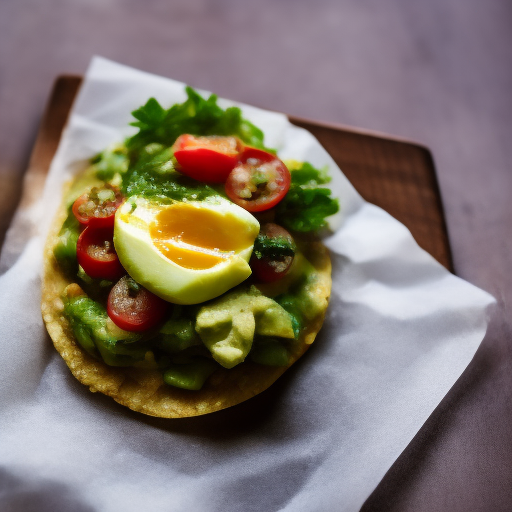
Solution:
(227, 326)
(196, 340)
(262, 323)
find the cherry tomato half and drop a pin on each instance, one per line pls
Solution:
(259, 181)
(98, 206)
(209, 159)
(273, 266)
(133, 308)
(96, 254)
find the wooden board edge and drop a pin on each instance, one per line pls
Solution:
(63, 94)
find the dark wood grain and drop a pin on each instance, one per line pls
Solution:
(398, 176)
(54, 119)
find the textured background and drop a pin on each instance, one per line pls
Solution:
(438, 71)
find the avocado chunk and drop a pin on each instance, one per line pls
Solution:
(96, 335)
(191, 375)
(270, 352)
(311, 304)
(178, 333)
(65, 248)
(227, 325)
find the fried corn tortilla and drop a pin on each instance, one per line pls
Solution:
(144, 390)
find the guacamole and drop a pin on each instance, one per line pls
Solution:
(217, 308)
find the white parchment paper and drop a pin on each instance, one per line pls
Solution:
(399, 332)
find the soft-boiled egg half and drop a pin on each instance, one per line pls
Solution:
(186, 252)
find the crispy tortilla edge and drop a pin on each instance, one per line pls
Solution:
(144, 391)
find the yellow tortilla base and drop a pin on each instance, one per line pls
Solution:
(144, 390)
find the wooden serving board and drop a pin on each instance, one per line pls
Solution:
(397, 175)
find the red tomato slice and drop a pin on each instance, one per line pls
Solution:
(259, 181)
(133, 308)
(209, 159)
(96, 254)
(98, 207)
(270, 269)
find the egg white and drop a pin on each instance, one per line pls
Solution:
(162, 276)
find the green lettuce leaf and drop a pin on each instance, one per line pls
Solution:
(307, 204)
(197, 116)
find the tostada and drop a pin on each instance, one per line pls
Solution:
(184, 272)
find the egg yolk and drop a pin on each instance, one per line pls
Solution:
(198, 238)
